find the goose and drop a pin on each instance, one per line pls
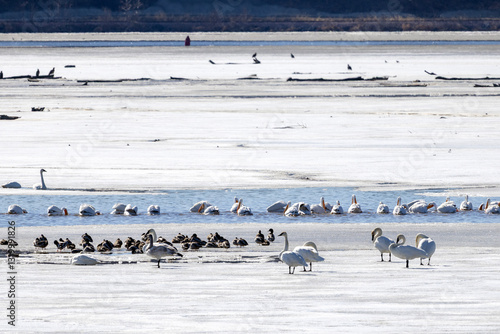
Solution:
(382, 208)
(234, 207)
(291, 259)
(55, 211)
(118, 243)
(270, 235)
(420, 206)
(492, 207)
(12, 184)
(406, 252)
(105, 246)
(196, 206)
(337, 209)
(309, 252)
(84, 260)
(118, 209)
(381, 243)
(153, 210)
(243, 210)
(447, 207)
(41, 242)
(159, 252)
(15, 209)
(427, 244)
(355, 207)
(466, 205)
(277, 207)
(130, 210)
(41, 186)
(88, 210)
(322, 207)
(399, 209)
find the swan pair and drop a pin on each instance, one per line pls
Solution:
(38, 186)
(300, 255)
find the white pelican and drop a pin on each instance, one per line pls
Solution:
(427, 244)
(309, 252)
(88, 210)
(243, 210)
(291, 210)
(277, 207)
(160, 251)
(292, 259)
(466, 205)
(15, 209)
(322, 207)
(399, 209)
(337, 209)
(13, 184)
(381, 243)
(234, 207)
(406, 252)
(447, 207)
(355, 207)
(41, 186)
(55, 211)
(382, 208)
(304, 209)
(84, 260)
(196, 206)
(492, 207)
(420, 206)
(211, 210)
(153, 210)
(130, 210)
(118, 209)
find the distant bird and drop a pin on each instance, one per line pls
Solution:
(15, 209)
(37, 72)
(118, 209)
(52, 71)
(1, 74)
(130, 210)
(277, 207)
(243, 210)
(88, 210)
(259, 238)
(153, 210)
(447, 207)
(430, 73)
(399, 209)
(41, 186)
(86, 238)
(270, 235)
(256, 61)
(254, 55)
(118, 243)
(291, 55)
(355, 207)
(211, 62)
(382, 208)
(337, 209)
(349, 67)
(55, 211)
(466, 205)
(41, 242)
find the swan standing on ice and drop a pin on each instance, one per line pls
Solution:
(13, 184)
(41, 186)
(118, 209)
(243, 210)
(466, 205)
(277, 207)
(88, 210)
(159, 252)
(130, 210)
(337, 209)
(292, 259)
(55, 211)
(381, 243)
(427, 244)
(447, 207)
(382, 208)
(309, 252)
(15, 209)
(420, 206)
(322, 207)
(153, 210)
(355, 207)
(399, 209)
(406, 252)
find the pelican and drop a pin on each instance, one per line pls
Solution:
(337, 209)
(420, 206)
(382, 208)
(292, 259)
(291, 210)
(304, 209)
(355, 207)
(55, 211)
(88, 210)
(234, 207)
(118, 209)
(406, 252)
(13, 184)
(492, 207)
(15, 209)
(159, 252)
(130, 210)
(427, 244)
(270, 235)
(447, 207)
(277, 207)
(211, 210)
(399, 209)
(381, 243)
(466, 205)
(41, 186)
(322, 207)
(243, 210)
(153, 210)
(309, 252)
(196, 206)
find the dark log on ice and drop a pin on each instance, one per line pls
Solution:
(482, 86)
(465, 79)
(117, 80)
(6, 117)
(344, 79)
(37, 108)
(250, 77)
(178, 78)
(69, 66)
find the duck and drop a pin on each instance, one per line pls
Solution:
(243, 210)
(337, 209)
(15, 209)
(105, 246)
(291, 259)
(398, 249)
(118, 243)
(278, 206)
(130, 210)
(86, 238)
(88, 248)
(322, 207)
(270, 235)
(447, 207)
(420, 206)
(382, 208)
(355, 207)
(153, 210)
(240, 242)
(381, 243)
(427, 244)
(56, 211)
(88, 210)
(118, 209)
(399, 209)
(466, 205)
(309, 251)
(259, 238)
(41, 186)
(159, 252)
(41, 242)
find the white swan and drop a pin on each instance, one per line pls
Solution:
(337, 209)
(88, 210)
(382, 208)
(118, 209)
(492, 207)
(406, 252)
(427, 244)
(41, 186)
(291, 259)
(160, 251)
(381, 243)
(196, 206)
(12, 184)
(447, 207)
(399, 209)
(420, 206)
(84, 260)
(466, 205)
(234, 207)
(243, 210)
(130, 210)
(153, 210)
(277, 207)
(322, 207)
(56, 211)
(15, 209)
(355, 207)
(309, 252)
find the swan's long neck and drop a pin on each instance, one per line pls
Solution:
(43, 182)
(286, 246)
(152, 233)
(150, 242)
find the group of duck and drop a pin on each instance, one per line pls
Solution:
(424, 247)
(288, 209)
